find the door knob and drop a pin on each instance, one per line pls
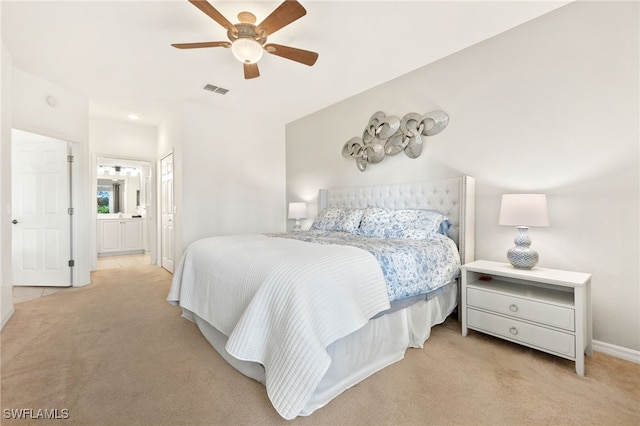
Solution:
(14, 221)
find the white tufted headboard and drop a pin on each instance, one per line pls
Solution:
(453, 197)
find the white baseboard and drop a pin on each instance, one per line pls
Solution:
(617, 351)
(7, 317)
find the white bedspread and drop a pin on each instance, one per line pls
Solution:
(281, 302)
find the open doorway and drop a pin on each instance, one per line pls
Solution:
(125, 212)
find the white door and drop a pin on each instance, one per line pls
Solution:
(167, 211)
(41, 237)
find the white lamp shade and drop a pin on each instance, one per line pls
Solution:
(524, 210)
(247, 50)
(297, 210)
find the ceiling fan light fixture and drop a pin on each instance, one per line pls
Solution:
(247, 50)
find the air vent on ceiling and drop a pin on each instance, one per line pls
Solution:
(215, 89)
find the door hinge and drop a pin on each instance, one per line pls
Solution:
(69, 158)
(72, 263)
(70, 210)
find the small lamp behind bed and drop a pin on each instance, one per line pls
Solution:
(523, 211)
(297, 211)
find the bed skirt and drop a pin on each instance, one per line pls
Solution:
(379, 343)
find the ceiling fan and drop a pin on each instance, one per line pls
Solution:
(248, 41)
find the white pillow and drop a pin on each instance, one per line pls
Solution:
(338, 219)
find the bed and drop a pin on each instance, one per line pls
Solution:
(310, 314)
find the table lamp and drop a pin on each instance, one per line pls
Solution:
(523, 211)
(297, 211)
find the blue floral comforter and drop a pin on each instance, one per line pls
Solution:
(410, 267)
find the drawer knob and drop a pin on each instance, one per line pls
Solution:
(513, 331)
(513, 307)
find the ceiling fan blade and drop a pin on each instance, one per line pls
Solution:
(213, 13)
(251, 71)
(303, 56)
(283, 15)
(202, 44)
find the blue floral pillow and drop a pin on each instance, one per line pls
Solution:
(380, 222)
(338, 219)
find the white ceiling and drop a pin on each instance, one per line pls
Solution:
(118, 53)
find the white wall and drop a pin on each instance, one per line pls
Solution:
(69, 120)
(112, 138)
(549, 106)
(6, 281)
(232, 174)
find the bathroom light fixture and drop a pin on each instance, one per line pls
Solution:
(297, 211)
(121, 170)
(523, 211)
(132, 116)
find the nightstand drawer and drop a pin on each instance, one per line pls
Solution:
(529, 334)
(531, 310)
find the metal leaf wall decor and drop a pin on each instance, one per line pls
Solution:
(389, 135)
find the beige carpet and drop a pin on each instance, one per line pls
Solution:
(115, 353)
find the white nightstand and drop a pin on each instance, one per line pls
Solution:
(544, 309)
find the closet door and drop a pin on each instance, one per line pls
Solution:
(167, 212)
